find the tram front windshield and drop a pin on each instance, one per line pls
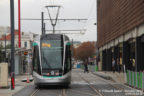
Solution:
(51, 54)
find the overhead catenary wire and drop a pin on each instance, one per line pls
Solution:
(90, 12)
(51, 2)
(57, 14)
(91, 9)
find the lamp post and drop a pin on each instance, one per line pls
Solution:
(12, 45)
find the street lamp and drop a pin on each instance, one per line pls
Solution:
(95, 23)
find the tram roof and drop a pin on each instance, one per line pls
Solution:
(53, 37)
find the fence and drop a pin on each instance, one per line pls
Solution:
(135, 79)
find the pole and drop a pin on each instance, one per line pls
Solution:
(5, 46)
(44, 28)
(53, 29)
(19, 23)
(12, 45)
(42, 16)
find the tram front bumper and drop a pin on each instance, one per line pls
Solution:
(40, 80)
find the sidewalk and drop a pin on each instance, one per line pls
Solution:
(18, 86)
(116, 77)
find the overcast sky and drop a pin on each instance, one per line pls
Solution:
(71, 9)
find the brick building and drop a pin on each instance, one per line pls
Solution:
(121, 33)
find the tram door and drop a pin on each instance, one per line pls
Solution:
(67, 67)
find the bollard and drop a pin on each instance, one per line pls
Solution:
(129, 77)
(141, 80)
(96, 68)
(134, 79)
(137, 79)
(127, 74)
(93, 67)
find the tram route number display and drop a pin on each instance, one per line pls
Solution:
(46, 45)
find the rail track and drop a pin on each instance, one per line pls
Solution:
(114, 86)
(94, 89)
(35, 92)
(100, 93)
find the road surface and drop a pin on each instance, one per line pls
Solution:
(83, 84)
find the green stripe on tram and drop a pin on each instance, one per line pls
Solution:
(51, 76)
(68, 43)
(34, 44)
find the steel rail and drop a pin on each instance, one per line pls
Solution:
(116, 87)
(81, 92)
(35, 92)
(94, 89)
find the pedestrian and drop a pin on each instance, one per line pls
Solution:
(113, 65)
(86, 66)
(118, 65)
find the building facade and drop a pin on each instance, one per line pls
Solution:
(4, 31)
(21, 60)
(121, 34)
(26, 40)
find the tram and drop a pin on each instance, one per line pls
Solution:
(52, 60)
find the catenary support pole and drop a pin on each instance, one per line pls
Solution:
(44, 29)
(42, 16)
(19, 23)
(5, 47)
(12, 45)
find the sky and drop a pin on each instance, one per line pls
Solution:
(70, 9)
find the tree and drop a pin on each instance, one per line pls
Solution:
(85, 50)
(8, 46)
(1, 55)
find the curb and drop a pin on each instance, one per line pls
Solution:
(18, 91)
(104, 77)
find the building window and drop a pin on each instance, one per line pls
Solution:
(25, 44)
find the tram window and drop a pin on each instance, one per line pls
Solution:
(51, 54)
(36, 59)
(67, 59)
